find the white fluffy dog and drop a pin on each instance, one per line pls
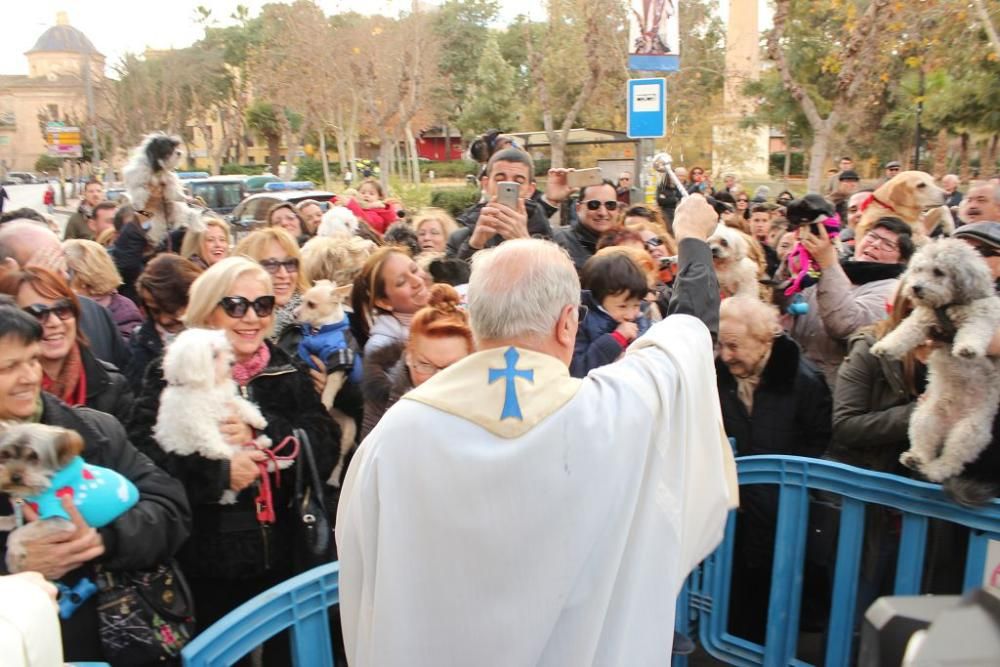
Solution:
(200, 394)
(337, 221)
(952, 291)
(736, 271)
(149, 171)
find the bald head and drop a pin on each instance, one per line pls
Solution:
(520, 294)
(24, 240)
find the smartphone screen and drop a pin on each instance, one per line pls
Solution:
(582, 178)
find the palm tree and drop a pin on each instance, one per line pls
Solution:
(263, 120)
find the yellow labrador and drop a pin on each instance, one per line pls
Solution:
(904, 196)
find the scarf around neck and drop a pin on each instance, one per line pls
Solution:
(244, 371)
(71, 384)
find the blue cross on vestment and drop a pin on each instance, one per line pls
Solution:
(511, 408)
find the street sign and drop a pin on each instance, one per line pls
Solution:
(63, 140)
(647, 108)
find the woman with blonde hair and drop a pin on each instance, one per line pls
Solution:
(210, 245)
(93, 274)
(235, 551)
(439, 336)
(433, 227)
(278, 253)
(389, 290)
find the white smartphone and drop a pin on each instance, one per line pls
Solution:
(507, 193)
(584, 178)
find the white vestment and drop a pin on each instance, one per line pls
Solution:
(558, 538)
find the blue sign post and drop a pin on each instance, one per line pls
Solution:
(647, 108)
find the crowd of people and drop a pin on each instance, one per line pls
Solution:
(87, 317)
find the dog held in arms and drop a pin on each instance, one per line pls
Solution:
(200, 394)
(324, 325)
(954, 301)
(39, 466)
(736, 271)
(149, 178)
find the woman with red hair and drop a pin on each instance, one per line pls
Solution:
(439, 337)
(70, 370)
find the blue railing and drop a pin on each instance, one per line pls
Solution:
(299, 604)
(706, 596)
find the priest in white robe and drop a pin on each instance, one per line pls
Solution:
(505, 513)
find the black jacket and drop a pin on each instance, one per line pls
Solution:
(579, 241)
(227, 542)
(107, 388)
(385, 379)
(791, 415)
(148, 534)
(145, 345)
(458, 242)
(101, 331)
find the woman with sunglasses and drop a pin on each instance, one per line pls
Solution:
(700, 182)
(70, 370)
(439, 337)
(275, 250)
(234, 552)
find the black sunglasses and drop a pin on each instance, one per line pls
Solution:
(237, 306)
(653, 242)
(62, 309)
(593, 204)
(272, 266)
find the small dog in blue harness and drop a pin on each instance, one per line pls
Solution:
(39, 466)
(324, 328)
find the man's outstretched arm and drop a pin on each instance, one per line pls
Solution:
(696, 287)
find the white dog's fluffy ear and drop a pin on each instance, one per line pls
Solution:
(189, 357)
(337, 221)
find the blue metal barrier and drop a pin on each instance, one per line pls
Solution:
(705, 599)
(300, 603)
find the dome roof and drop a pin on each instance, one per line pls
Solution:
(63, 38)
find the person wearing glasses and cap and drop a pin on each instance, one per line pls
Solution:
(237, 551)
(596, 213)
(892, 168)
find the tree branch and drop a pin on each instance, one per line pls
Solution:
(777, 54)
(991, 32)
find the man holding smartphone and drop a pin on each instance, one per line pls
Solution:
(492, 222)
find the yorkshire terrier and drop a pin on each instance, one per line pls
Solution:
(40, 465)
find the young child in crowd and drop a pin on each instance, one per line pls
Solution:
(370, 205)
(615, 288)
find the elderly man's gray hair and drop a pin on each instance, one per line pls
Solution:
(519, 288)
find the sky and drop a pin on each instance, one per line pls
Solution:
(117, 27)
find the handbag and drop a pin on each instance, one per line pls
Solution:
(312, 533)
(144, 615)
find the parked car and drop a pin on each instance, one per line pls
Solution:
(256, 183)
(220, 193)
(22, 177)
(188, 175)
(251, 213)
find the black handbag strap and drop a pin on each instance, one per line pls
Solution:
(309, 469)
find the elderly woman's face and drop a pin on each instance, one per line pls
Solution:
(739, 350)
(288, 221)
(431, 236)
(20, 378)
(58, 334)
(428, 356)
(246, 332)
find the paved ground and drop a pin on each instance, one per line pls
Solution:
(31, 197)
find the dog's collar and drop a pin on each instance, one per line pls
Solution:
(872, 198)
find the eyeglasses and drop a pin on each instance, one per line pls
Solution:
(883, 241)
(653, 242)
(593, 204)
(272, 266)
(237, 306)
(62, 309)
(581, 313)
(425, 367)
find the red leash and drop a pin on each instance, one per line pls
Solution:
(265, 499)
